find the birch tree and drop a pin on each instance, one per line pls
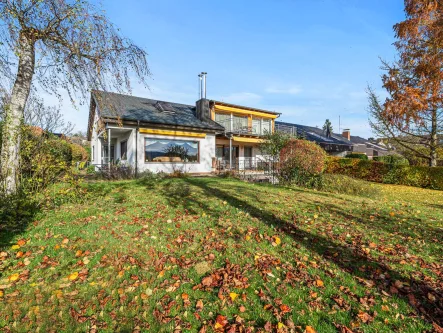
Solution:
(49, 118)
(58, 45)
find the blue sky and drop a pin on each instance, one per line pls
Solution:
(309, 60)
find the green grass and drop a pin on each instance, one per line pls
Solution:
(279, 258)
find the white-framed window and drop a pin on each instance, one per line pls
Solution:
(124, 150)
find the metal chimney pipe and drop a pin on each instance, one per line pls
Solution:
(200, 89)
(204, 85)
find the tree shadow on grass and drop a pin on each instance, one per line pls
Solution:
(176, 192)
(15, 216)
(17, 212)
(410, 227)
(349, 259)
(438, 206)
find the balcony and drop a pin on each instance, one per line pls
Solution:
(233, 126)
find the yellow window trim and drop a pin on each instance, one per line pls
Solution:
(241, 139)
(172, 133)
(245, 112)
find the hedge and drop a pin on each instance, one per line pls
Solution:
(360, 156)
(419, 176)
(392, 159)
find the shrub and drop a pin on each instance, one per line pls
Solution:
(150, 175)
(90, 170)
(347, 185)
(419, 176)
(117, 172)
(79, 153)
(301, 162)
(228, 174)
(178, 173)
(43, 160)
(392, 159)
(359, 156)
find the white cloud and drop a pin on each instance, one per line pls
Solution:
(291, 90)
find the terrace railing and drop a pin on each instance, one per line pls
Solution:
(249, 168)
(292, 130)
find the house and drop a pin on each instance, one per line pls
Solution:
(334, 144)
(370, 148)
(166, 136)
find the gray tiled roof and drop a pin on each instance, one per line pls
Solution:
(360, 140)
(131, 108)
(317, 134)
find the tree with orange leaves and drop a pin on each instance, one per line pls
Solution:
(412, 116)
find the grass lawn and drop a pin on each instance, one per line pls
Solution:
(212, 254)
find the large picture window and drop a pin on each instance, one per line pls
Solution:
(164, 150)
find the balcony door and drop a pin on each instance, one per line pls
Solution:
(248, 157)
(105, 155)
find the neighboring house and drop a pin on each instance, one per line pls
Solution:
(164, 136)
(334, 144)
(370, 148)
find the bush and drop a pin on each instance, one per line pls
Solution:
(301, 163)
(419, 176)
(178, 173)
(43, 160)
(90, 170)
(150, 175)
(392, 159)
(79, 153)
(347, 185)
(359, 156)
(117, 172)
(228, 174)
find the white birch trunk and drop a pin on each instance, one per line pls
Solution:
(14, 113)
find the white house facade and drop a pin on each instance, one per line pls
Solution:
(162, 136)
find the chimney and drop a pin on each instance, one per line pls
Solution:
(203, 109)
(204, 84)
(202, 77)
(347, 134)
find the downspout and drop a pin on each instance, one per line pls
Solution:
(109, 149)
(230, 152)
(136, 148)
